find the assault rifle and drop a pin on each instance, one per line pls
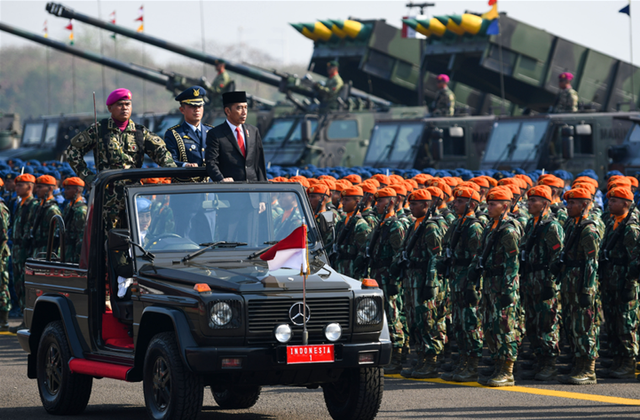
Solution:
(455, 238)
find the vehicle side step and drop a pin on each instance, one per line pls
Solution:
(99, 369)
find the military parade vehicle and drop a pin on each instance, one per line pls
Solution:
(181, 300)
(625, 157)
(10, 130)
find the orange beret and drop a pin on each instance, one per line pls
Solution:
(589, 187)
(490, 180)
(420, 195)
(435, 192)
(400, 189)
(151, 181)
(542, 191)
(634, 181)
(614, 177)
(551, 181)
(353, 178)
(422, 178)
(74, 180)
(621, 192)
(481, 181)
(442, 185)
(526, 178)
(352, 192)
(1, 183)
(165, 180)
(515, 190)
(450, 181)
(329, 183)
(300, 180)
(396, 179)
(369, 187)
(341, 184)
(618, 183)
(578, 194)
(466, 192)
(279, 179)
(469, 184)
(411, 184)
(508, 181)
(46, 180)
(26, 178)
(374, 182)
(386, 192)
(382, 179)
(500, 194)
(327, 177)
(587, 180)
(319, 189)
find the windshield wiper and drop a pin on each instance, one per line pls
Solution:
(209, 245)
(263, 250)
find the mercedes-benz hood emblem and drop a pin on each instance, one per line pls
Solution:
(295, 313)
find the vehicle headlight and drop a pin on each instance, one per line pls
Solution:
(221, 314)
(283, 333)
(333, 332)
(367, 312)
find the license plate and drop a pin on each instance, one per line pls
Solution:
(310, 354)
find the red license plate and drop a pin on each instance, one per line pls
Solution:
(322, 353)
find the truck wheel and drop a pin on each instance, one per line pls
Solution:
(235, 398)
(171, 390)
(356, 395)
(61, 391)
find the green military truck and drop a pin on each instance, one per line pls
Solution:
(180, 303)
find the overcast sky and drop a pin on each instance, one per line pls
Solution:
(265, 24)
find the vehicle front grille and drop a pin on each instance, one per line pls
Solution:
(265, 314)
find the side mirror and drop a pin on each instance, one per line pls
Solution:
(456, 132)
(568, 149)
(305, 131)
(119, 239)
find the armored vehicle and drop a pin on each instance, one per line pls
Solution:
(184, 301)
(573, 142)
(625, 157)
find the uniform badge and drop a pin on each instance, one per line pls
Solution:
(185, 137)
(193, 147)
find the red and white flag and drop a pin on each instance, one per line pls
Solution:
(291, 252)
(112, 17)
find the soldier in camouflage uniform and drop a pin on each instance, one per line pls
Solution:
(441, 199)
(444, 104)
(5, 297)
(577, 272)
(368, 212)
(461, 244)
(330, 91)
(385, 242)
(557, 207)
(499, 265)
(541, 244)
(618, 264)
(424, 291)
(567, 99)
(74, 216)
(352, 232)
(118, 143)
(220, 85)
(21, 234)
(291, 218)
(46, 210)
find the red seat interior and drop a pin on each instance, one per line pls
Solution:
(115, 333)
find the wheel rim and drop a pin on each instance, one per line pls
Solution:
(53, 369)
(161, 384)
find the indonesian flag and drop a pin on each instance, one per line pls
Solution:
(112, 17)
(291, 252)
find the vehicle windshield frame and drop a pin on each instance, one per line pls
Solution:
(503, 154)
(386, 156)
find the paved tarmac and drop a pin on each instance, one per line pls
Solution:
(410, 399)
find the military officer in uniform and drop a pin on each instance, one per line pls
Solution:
(221, 84)
(331, 89)
(74, 216)
(44, 213)
(444, 104)
(187, 141)
(567, 99)
(352, 231)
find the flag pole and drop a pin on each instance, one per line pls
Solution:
(305, 333)
(632, 105)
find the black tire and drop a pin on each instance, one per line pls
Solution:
(236, 398)
(356, 396)
(61, 391)
(171, 390)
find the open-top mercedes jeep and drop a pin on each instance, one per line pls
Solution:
(181, 300)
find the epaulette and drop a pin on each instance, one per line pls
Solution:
(174, 127)
(208, 125)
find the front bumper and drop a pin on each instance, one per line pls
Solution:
(207, 360)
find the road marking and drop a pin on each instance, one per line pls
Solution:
(536, 391)
(6, 333)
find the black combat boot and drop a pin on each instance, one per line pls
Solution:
(470, 373)
(549, 371)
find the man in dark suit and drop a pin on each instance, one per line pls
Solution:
(234, 153)
(234, 149)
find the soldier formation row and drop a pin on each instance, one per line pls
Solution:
(465, 260)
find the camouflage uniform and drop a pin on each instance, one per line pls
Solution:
(559, 212)
(566, 101)
(541, 245)
(330, 91)
(352, 246)
(501, 278)
(578, 275)
(5, 297)
(41, 222)
(448, 215)
(615, 276)
(21, 235)
(371, 217)
(287, 223)
(162, 220)
(382, 251)
(444, 103)
(74, 216)
(219, 86)
(123, 153)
